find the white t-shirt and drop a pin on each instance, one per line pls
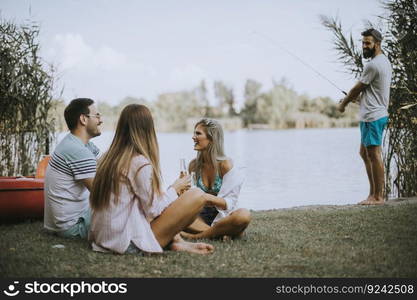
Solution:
(66, 197)
(374, 100)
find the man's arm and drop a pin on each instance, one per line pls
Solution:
(352, 95)
(88, 182)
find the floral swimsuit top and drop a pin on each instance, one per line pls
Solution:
(216, 185)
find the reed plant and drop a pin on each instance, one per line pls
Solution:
(26, 85)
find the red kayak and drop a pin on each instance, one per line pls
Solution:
(22, 197)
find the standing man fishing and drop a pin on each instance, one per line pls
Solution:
(373, 88)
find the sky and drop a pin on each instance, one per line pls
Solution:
(107, 50)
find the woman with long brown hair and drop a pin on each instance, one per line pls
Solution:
(131, 213)
(216, 176)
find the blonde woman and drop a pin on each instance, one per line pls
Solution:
(131, 213)
(216, 176)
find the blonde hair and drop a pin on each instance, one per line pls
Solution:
(215, 149)
(135, 134)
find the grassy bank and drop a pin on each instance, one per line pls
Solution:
(322, 241)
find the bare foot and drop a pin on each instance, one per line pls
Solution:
(202, 235)
(372, 201)
(189, 236)
(198, 248)
(178, 244)
(378, 202)
(365, 202)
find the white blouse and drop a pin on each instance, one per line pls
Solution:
(113, 228)
(229, 191)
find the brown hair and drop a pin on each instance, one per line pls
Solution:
(135, 135)
(374, 33)
(75, 109)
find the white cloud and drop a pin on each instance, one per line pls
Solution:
(109, 58)
(70, 51)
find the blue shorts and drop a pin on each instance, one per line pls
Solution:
(371, 132)
(208, 214)
(132, 249)
(80, 229)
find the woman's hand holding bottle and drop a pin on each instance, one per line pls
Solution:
(182, 184)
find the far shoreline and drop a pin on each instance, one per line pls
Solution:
(328, 207)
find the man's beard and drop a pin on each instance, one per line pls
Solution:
(367, 53)
(93, 133)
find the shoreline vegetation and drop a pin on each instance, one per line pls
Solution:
(308, 241)
(278, 108)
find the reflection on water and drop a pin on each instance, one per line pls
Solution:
(283, 168)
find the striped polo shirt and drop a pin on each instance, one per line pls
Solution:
(74, 158)
(66, 197)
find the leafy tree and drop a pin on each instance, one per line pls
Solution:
(252, 94)
(201, 94)
(284, 102)
(171, 110)
(226, 98)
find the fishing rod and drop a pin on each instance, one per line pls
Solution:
(297, 58)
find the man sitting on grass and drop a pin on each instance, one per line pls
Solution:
(70, 172)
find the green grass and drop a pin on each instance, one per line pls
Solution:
(349, 241)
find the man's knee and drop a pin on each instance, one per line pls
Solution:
(363, 153)
(374, 153)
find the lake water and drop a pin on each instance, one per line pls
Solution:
(283, 168)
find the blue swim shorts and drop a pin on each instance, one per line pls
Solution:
(371, 132)
(132, 249)
(80, 229)
(208, 214)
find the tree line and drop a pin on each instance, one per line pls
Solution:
(277, 108)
